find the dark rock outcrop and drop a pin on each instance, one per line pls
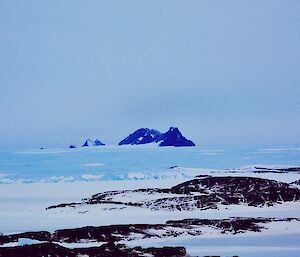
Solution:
(72, 146)
(201, 193)
(110, 236)
(276, 170)
(40, 235)
(128, 232)
(90, 142)
(106, 250)
(296, 183)
(142, 136)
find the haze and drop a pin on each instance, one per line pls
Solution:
(224, 72)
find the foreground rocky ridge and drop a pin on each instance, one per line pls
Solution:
(106, 250)
(200, 193)
(113, 237)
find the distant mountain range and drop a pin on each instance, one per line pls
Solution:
(89, 142)
(172, 137)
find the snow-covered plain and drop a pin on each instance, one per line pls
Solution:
(24, 198)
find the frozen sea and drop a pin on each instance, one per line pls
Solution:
(135, 162)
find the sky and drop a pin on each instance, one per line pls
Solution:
(224, 72)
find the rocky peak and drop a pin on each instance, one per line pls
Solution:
(142, 136)
(90, 142)
(173, 137)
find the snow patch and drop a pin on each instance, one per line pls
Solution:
(90, 177)
(96, 164)
(59, 179)
(82, 244)
(6, 181)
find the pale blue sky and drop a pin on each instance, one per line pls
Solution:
(223, 71)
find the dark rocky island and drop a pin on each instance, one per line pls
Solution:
(173, 137)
